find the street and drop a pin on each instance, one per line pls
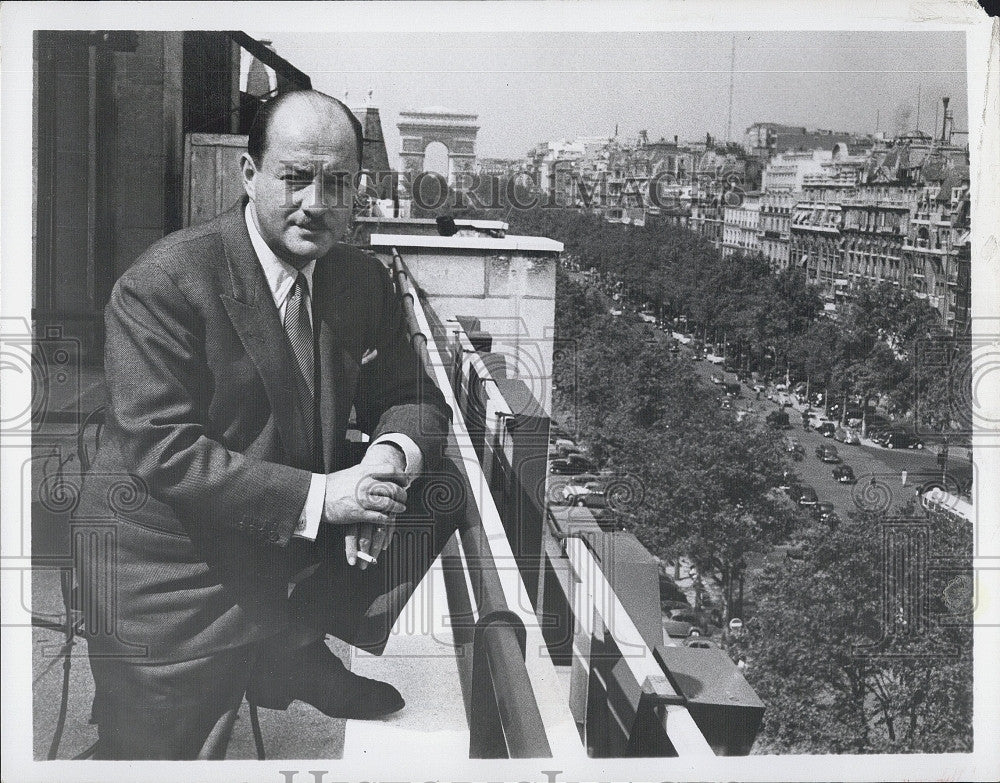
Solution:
(869, 462)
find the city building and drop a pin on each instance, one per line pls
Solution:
(765, 139)
(774, 229)
(786, 171)
(898, 214)
(560, 167)
(499, 167)
(631, 180)
(741, 224)
(708, 216)
(936, 248)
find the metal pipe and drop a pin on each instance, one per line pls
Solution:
(521, 720)
(519, 714)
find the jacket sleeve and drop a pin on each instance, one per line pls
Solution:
(159, 388)
(396, 393)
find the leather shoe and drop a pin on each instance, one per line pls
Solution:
(316, 676)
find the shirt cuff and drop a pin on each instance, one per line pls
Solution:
(312, 511)
(411, 451)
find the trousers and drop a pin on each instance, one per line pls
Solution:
(164, 711)
(167, 710)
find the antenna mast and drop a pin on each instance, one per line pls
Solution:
(732, 78)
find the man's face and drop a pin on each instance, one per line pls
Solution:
(302, 193)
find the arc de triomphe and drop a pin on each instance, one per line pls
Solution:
(456, 130)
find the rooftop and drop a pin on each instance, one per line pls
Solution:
(511, 566)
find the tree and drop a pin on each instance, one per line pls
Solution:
(702, 480)
(881, 329)
(814, 353)
(909, 692)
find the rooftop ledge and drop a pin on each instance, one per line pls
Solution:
(512, 243)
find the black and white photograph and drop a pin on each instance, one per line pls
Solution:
(550, 391)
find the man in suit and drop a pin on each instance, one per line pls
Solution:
(243, 533)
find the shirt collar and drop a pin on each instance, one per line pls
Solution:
(280, 274)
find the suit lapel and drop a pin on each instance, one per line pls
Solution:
(255, 318)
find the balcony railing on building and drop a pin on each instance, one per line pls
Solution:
(592, 593)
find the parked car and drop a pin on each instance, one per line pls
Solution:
(590, 500)
(807, 496)
(567, 446)
(778, 419)
(826, 429)
(699, 619)
(822, 510)
(677, 629)
(879, 434)
(574, 489)
(571, 465)
(701, 643)
(844, 474)
(847, 435)
(796, 449)
(827, 453)
(902, 440)
(716, 378)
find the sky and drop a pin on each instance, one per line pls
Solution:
(534, 87)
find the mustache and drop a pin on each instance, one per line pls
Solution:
(312, 225)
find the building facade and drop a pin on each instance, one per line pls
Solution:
(787, 170)
(741, 225)
(774, 229)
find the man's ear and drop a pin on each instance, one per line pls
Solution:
(249, 171)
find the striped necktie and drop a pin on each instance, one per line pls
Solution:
(299, 328)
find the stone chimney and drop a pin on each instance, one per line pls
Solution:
(946, 123)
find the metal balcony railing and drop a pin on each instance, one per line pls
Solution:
(623, 697)
(504, 717)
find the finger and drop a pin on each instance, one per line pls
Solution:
(365, 531)
(388, 489)
(399, 477)
(351, 544)
(380, 541)
(368, 488)
(383, 504)
(373, 517)
(389, 533)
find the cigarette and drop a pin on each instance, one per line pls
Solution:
(366, 557)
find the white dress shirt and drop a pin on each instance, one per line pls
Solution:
(280, 277)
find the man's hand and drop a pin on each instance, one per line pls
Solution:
(371, 538)
(385, 453)
(367, 493)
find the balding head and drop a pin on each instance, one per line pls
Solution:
(306, 102)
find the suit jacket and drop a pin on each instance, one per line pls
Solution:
(207, 455)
